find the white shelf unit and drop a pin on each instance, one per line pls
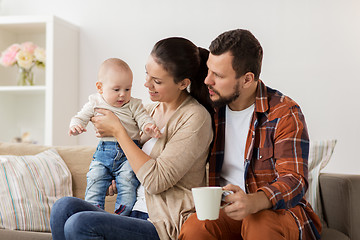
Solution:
(43, 110)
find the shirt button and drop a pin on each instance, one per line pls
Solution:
(260, 157)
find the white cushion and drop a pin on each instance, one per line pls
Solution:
(29, 186)
(319, 156)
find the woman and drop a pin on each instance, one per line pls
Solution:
(168, 167)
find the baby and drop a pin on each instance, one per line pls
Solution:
(109, 161)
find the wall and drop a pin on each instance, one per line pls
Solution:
(311, 50)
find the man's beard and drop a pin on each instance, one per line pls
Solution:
(222, 101)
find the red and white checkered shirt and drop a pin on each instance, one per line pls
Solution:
(276, 156)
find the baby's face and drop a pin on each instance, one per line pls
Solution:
(116, 87)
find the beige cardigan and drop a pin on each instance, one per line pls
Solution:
(177, 164)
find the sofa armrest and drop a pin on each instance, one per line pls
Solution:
(340, 194)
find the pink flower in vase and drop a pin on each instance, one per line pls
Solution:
(28, 47)
(8, 57)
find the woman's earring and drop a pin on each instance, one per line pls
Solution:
(188, 87)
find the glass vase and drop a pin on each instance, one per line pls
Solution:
(25, 77)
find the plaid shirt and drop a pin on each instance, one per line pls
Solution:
(276, 155)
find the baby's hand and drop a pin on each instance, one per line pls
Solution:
(152, 130)
(76, 129)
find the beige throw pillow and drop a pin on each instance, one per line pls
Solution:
(29, 186)
(319, 157)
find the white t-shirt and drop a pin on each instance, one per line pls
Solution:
(140, 204)
(236, 130)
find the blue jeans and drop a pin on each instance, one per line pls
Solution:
(74, 218)
(111, 163)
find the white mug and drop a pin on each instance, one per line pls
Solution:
(207, 202)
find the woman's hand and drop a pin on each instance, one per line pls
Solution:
(106, 124)
(109, 125)
(112, 190)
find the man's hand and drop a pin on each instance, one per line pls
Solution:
(243, 204)
(76, 129)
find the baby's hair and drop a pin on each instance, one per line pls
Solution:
(114, 63)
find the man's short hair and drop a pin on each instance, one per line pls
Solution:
(244, 47)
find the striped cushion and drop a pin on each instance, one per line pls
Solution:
(319, 157)
(29, 186)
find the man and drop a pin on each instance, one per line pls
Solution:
(260, 151)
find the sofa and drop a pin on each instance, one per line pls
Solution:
(338, 192)
(77, 159)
